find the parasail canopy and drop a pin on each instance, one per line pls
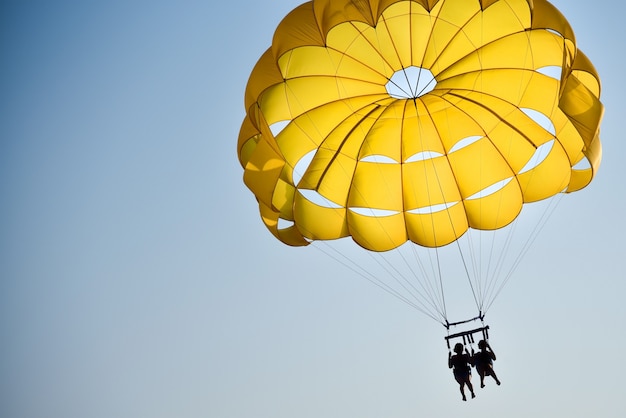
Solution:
(396, 120)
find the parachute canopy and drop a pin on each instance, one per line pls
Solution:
(397, 120)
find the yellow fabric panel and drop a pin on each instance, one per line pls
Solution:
(593, 152)
(437, 229)
(297, 96)
(453, 123)
(523, 88)
(358, 40)
(588, 80)
(498, 20)
(586, 73)
(303, 97)
(385, 136)
(270, 218)
(266, 134)
(528, 128)
(545, 15)
(582, 107)
(336, 183)
(538, 87)
(377, 186)
(408, 25)
(478, 166)
(307, 61)
(449, 16)
(377, 233)
(348, 138)
(515, 149)
(264, 75)
(512, 14)
(568, 136)
(505, 84)
(290, 236)
(395, 28)
(316, 169)
(548, 178)
(262, 172)
(496, 210)
(419, 133)
(529, 51)
(308, 131)
(453, 39)
(317, 222)
(330, 13)
(378, 6)
(274, 104)
(298, 139)
(428, 183)
(579, 179)
(478, 105)
(457, 13)
(421, 26)
(282, 199)
(246, 150)
(248, 137)
(298, 28)
(379, 40)
(331, 175)
(484, 4)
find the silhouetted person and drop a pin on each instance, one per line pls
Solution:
(483, 361)
(460, 363)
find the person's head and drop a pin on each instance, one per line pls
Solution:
(458, 348)
(482, 344)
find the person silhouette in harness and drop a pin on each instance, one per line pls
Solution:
(483, 361)
(461, 363)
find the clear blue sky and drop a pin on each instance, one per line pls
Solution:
(136, 279)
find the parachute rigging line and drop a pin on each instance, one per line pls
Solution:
(341, 258)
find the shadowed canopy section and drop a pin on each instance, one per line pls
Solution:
(398, 120)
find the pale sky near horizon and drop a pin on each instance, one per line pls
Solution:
(137, 280)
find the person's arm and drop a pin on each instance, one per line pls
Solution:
(449, 360)
(491, 353)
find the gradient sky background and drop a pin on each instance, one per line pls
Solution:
(137, 280)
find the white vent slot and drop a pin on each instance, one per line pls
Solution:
(541, 119)
(541, 153)
(374, 213)
(315, 197)
(553, 71)
(380, 159)
(302, 166)
(278, 127)
(432, 209)
(422, 156)
(491, 189)
(465, 142)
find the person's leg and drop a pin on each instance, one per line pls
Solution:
(493, 374)
(469, 385)
(481, 374)
(461, 383)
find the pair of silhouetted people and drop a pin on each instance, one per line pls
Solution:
(461, 364)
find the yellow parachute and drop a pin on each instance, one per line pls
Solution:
(415, 120)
